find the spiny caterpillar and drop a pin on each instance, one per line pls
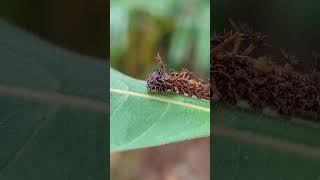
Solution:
(241, 69)
(177, 82)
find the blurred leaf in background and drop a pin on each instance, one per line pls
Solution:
(178, 29)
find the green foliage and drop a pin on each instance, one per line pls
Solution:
(53, 112)
(140, 119)
(141, 28)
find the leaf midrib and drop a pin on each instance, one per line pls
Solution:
(267, 141)
(169, 101)
(52, 98)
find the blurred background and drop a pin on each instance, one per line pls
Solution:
(180, 31)
(289, 24)
(187, 160)
(77, 25)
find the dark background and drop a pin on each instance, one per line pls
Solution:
(78, 25)
(289, 24)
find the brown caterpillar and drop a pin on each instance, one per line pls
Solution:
(177, 82)
(242, 69)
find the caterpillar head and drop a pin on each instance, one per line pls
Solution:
(155, 81)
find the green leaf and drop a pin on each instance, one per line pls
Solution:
(140, 119)
(53, 116)
(250, 145)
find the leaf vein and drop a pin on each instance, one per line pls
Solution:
(131, 93)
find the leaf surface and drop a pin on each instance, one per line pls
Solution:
(53, 116)
(251, 145)
(141, 119)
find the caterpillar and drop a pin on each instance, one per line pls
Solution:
(241, 69)
(182, 82)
